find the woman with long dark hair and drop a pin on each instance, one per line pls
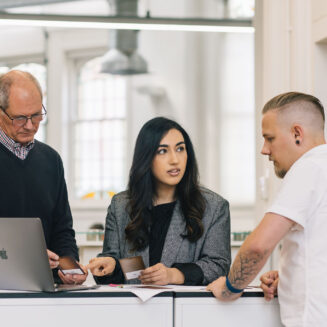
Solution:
(181, 230)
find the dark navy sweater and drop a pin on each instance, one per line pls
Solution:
(35, 187)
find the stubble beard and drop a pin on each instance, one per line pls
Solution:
(280, 173)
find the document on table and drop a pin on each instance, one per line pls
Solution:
(146, 292)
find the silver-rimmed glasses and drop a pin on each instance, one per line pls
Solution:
(20, 121)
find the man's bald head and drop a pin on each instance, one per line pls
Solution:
(15, 78)
(298, 108)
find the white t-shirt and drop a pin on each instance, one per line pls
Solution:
(302, 289)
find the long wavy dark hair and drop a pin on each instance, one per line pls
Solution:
(141, 185)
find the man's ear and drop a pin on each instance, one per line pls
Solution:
(297, 132)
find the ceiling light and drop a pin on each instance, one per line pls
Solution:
(107, 22)
(123, 57)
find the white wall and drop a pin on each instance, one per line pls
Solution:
(283, 63)
(319, 20)
(319, 32)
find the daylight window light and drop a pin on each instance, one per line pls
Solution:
(150, 24)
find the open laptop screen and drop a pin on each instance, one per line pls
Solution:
(24, 263)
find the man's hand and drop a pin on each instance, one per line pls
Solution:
(159, 274)
(73, 279)
(269, 284)
(53, 259)
(220, 290)
(101, 266)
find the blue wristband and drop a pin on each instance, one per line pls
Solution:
(231, 288)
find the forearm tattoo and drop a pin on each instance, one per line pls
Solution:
(245, 267)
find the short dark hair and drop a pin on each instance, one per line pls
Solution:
(141, 186)
(285, 99)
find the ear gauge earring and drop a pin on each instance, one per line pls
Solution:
(297, 142)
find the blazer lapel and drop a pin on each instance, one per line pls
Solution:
(173, 239)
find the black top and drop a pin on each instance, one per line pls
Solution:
(35, 187)
(160, 221)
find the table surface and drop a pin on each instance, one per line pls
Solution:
(106, 291)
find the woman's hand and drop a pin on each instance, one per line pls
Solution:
(102, 266)
(159, 274)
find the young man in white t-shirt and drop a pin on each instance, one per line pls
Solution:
(293, 131)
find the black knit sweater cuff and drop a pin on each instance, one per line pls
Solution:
(193, 274)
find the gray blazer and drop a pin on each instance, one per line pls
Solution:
(211, 252)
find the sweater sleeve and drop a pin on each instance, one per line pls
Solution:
(62, 239)
(117, 276)
(111, 247)
(193, 274)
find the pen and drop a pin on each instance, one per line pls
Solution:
(116, 285)
(252, 286)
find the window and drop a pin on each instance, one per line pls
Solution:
(241, 8)
(237, 126)
(99, 137)
(229, 124)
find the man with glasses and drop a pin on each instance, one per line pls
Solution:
(31, 173)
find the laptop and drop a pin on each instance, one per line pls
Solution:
(24, 263)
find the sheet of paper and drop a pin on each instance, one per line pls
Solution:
(146, 292)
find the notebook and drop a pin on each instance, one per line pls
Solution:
(24, 263)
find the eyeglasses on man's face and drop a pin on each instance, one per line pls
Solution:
(20, 121)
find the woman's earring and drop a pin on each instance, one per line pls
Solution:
(297, 142)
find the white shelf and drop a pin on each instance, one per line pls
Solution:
(236, 243)
(90, 243)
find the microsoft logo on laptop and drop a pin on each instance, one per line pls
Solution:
(3, 254)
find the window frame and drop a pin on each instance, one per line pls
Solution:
(76, 60)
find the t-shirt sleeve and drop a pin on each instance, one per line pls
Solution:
(298, 193)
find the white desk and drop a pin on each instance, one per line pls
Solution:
(87, 308)
(202, 309)
(122, 308)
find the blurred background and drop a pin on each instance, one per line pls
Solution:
(209, 64)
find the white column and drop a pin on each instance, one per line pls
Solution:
(283, 63)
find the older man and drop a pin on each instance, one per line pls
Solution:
(293, 131)
(31, 173)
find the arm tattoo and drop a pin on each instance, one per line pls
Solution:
(246, 266)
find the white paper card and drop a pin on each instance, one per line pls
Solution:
(133, 274)
(73, 271)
